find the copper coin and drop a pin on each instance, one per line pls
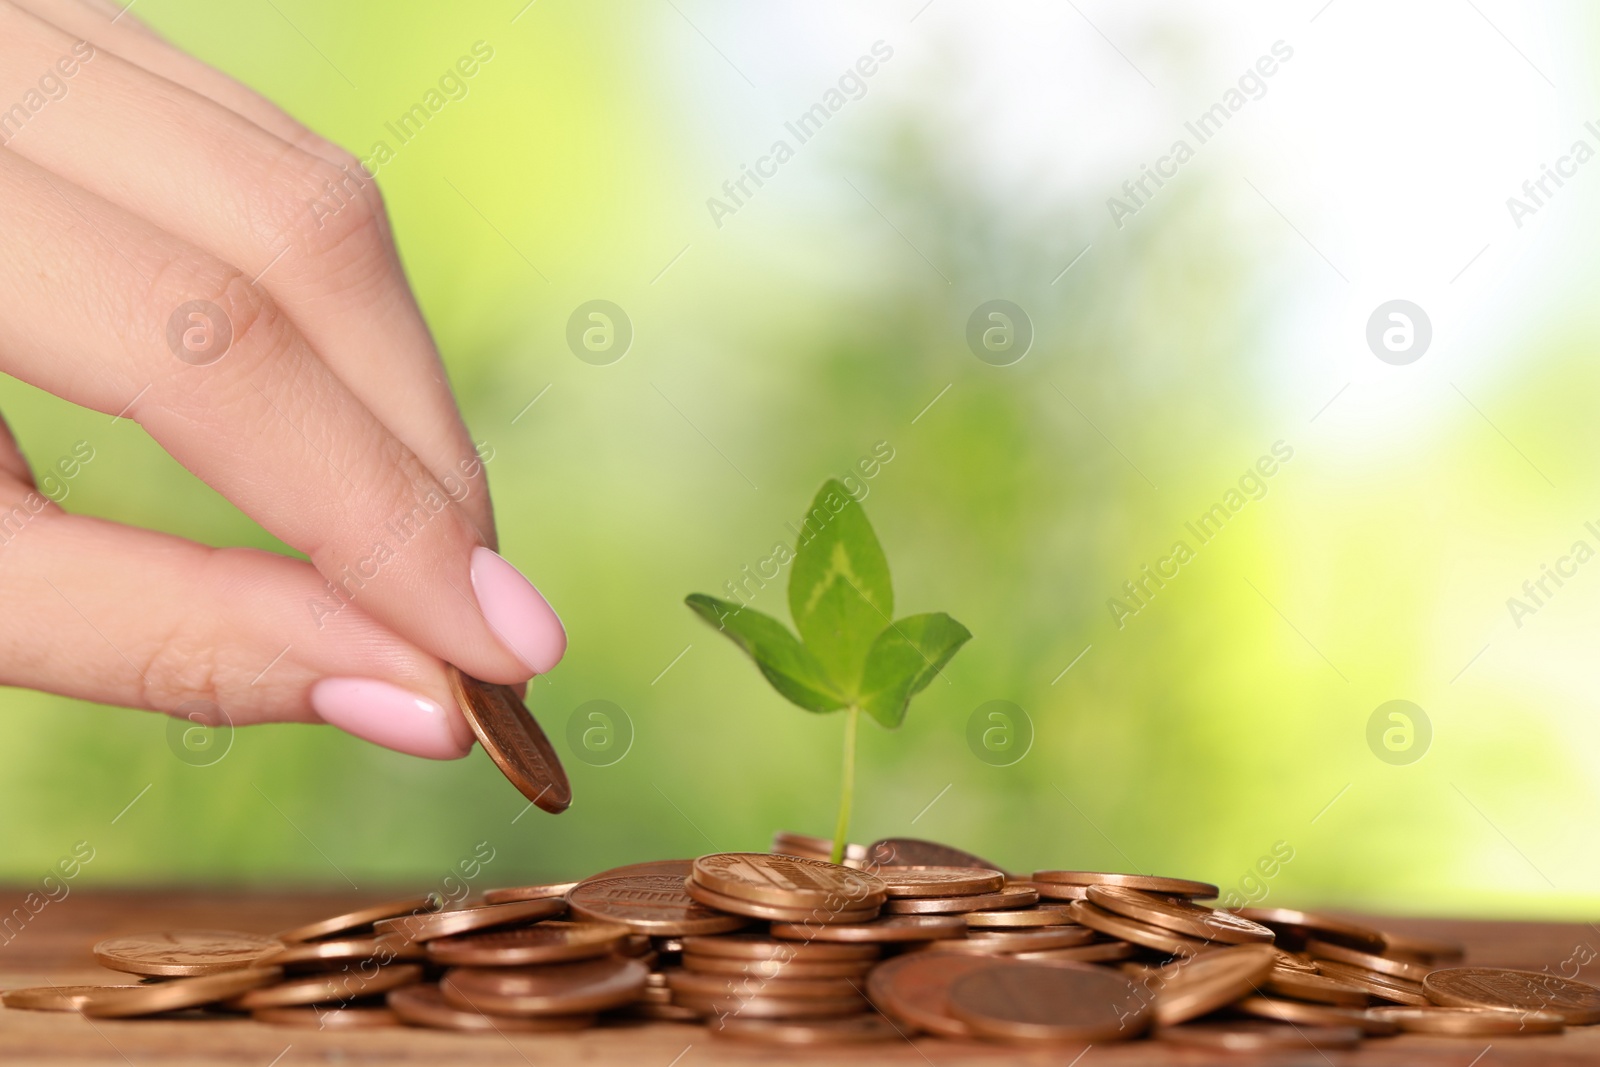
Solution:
(1139, 933)
(1009, 897)
(1054, 890)
(1100, 952)
(1248, 1035)
(1395, 990)
(761, 947)
(736, 906)
(1299, 926)
(913, 852)
(1190, 988)
(1293, 962)
(424, 1005)
(1411, 972)
(776, 968)
(1049, 1002)
(380, 950)
(817, 848)
(353, 921)
(334, 987)
(891, 929)
(792, 882)
(1497, 987)
(851, 1030)
(1147, 883)
(546, 942)
(1300, 1013)
(939, 881)
(1020, 918)
(915, 990)
(55, 997)
(1472, 1022)
(176, 995)
(771, 1007)
(654, 904)
(551, 989)
(1180, 916)
(1010, 942)
(1422, 949)
(363, 1018)
(183, 953)
(513, 740)
(1319, 988)
(721, 987)
(676, 868)
(428, 927)
(512, 894)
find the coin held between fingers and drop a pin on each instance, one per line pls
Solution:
(512, 738)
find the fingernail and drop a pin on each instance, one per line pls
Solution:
(393, 717)
(519, 616)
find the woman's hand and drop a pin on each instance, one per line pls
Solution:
(177, 251)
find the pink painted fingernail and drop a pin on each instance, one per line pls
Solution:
(519, 616)
(388, 715)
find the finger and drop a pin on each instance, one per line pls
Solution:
(114, 28)
(313, 234)
(116, 615)
(266, 423)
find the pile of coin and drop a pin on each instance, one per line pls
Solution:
(909, 937)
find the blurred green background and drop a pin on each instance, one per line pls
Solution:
(828, 314)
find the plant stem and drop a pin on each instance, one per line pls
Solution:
(847, 787)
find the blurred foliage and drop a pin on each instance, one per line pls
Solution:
(777, 351)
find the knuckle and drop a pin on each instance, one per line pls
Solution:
(329, 210)
(188, 658)
(216, 290)
(179, 666)
(213, 336)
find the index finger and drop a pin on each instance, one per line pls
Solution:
(255, 413)
(309, 226)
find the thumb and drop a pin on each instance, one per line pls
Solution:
(119, 615)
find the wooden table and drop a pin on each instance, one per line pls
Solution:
(54, 945)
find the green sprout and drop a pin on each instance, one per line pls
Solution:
(851, 653)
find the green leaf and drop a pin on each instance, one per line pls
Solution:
(904, 659)
(839, 591)
(792, 670)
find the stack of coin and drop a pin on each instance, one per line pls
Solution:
(550, 975)
(760, 976)
(650, 902)
(1003, 916)
(788, 949)
(781, 888)
(1158, 914)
